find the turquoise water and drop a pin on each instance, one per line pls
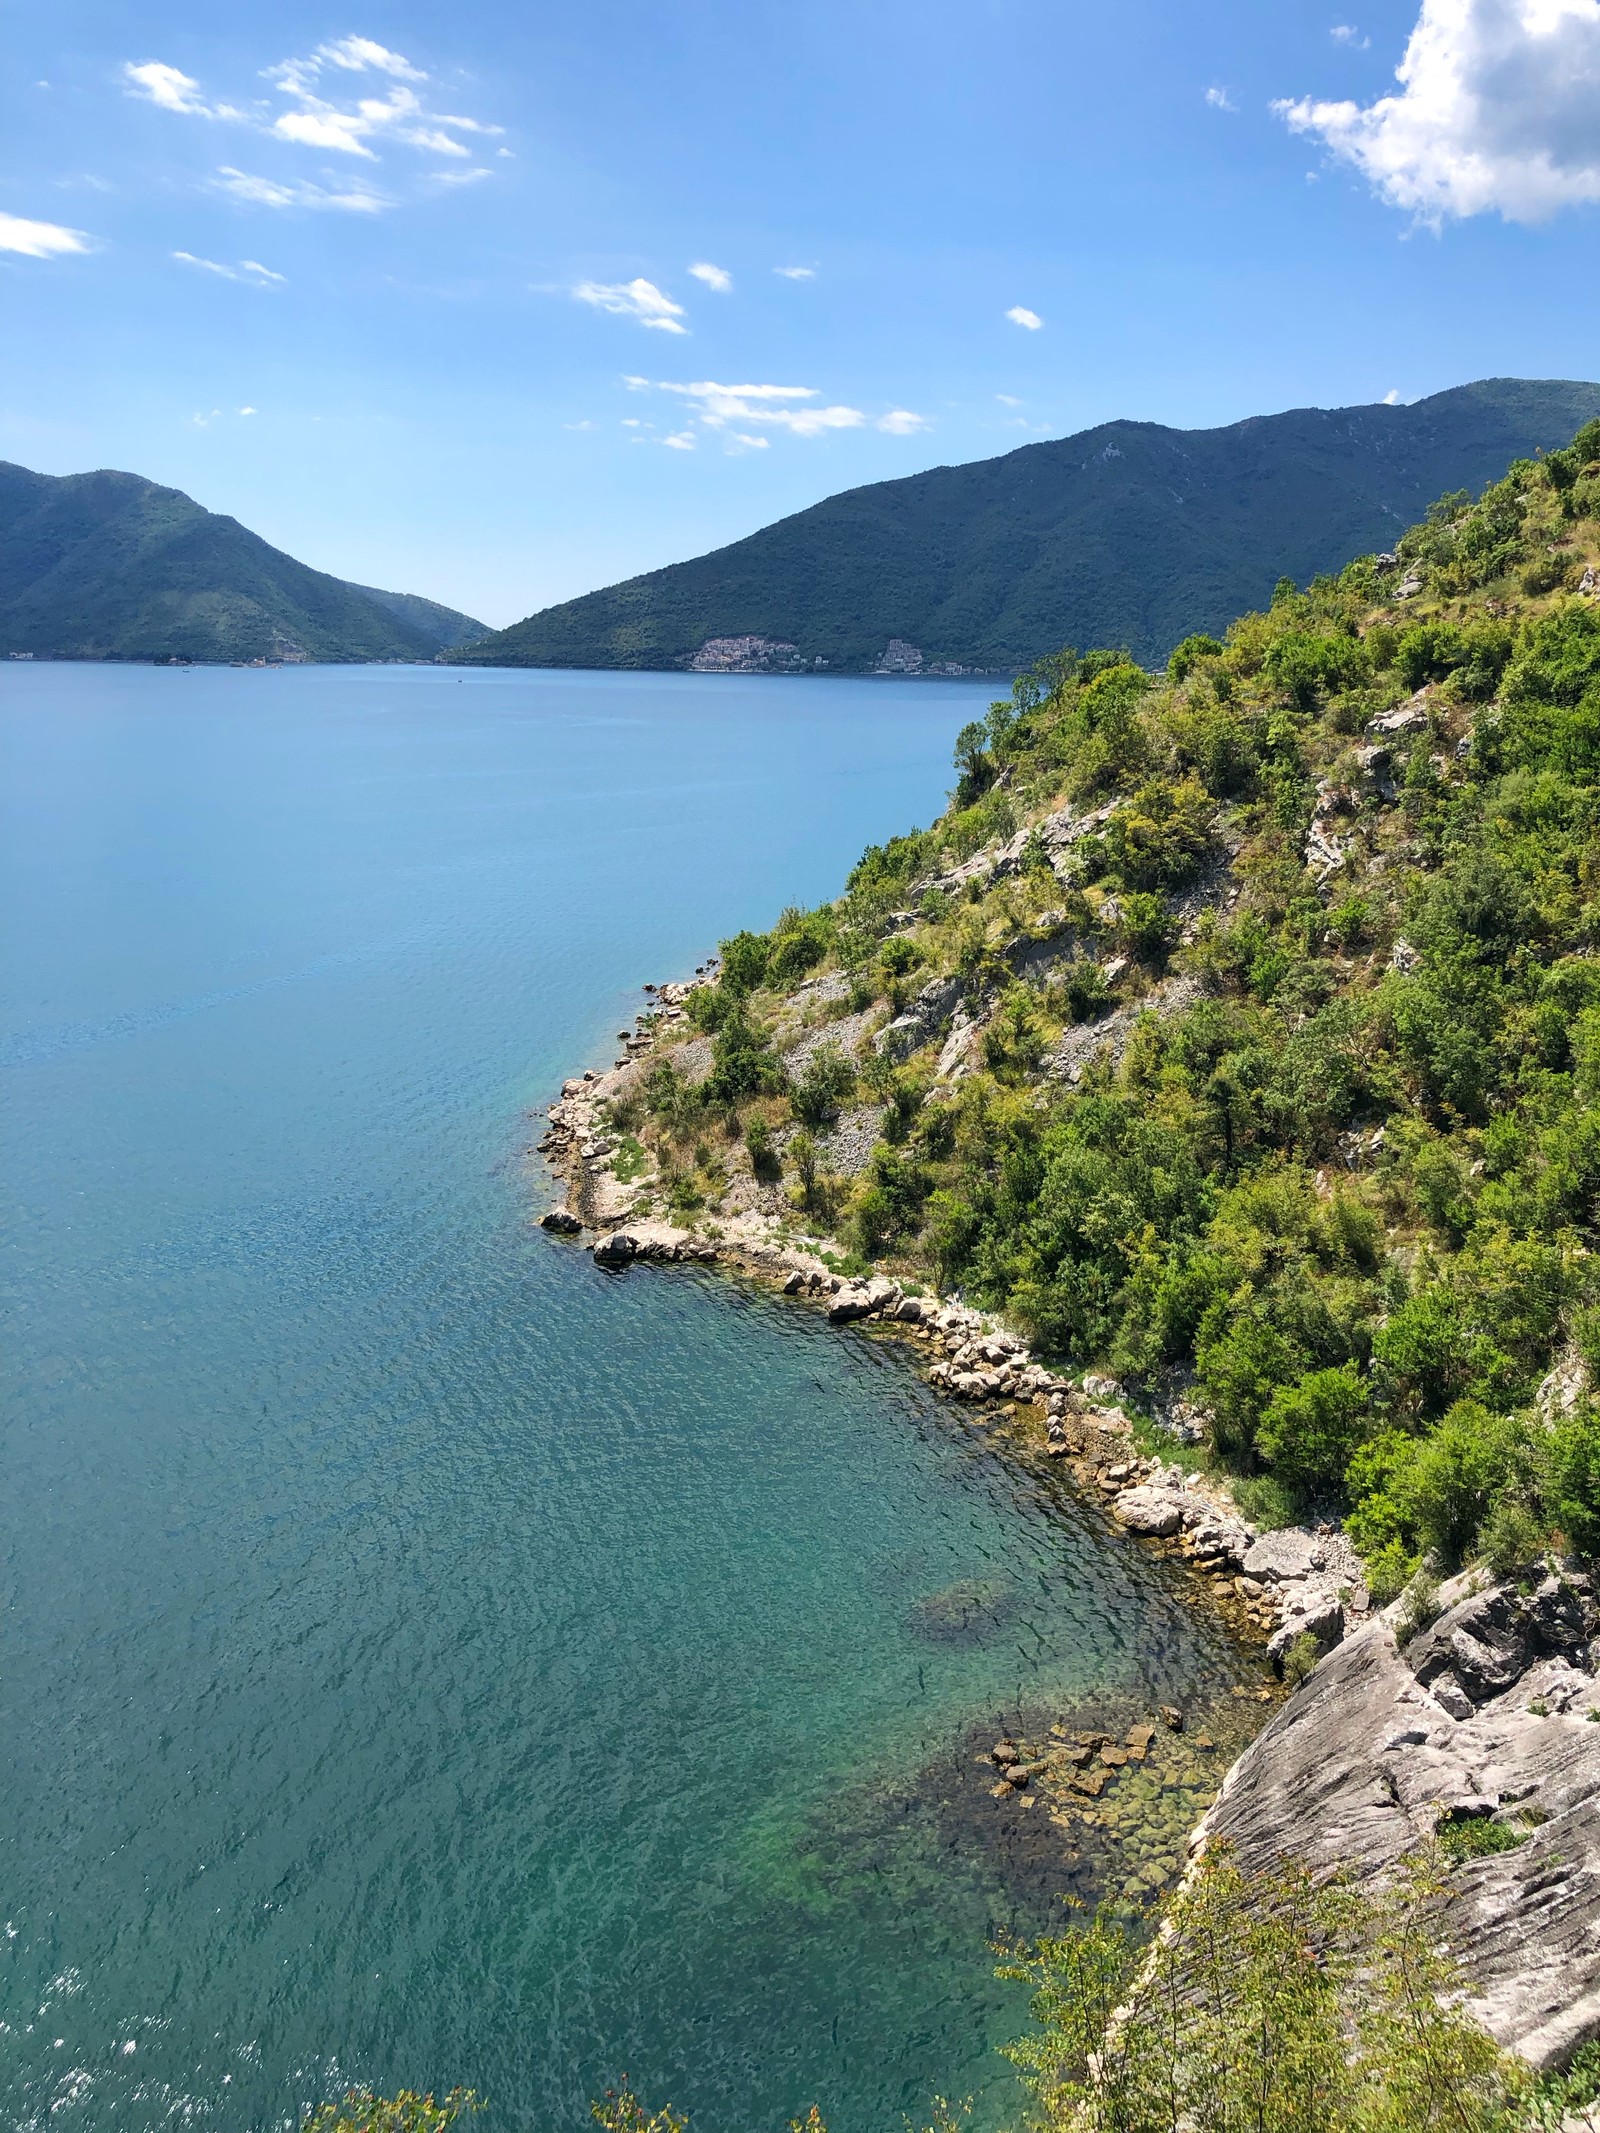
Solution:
(428, 1659)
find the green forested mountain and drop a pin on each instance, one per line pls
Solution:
(110, 566)
(1130, 534)
(1237, 1030)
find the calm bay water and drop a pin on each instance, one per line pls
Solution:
(427, 1659)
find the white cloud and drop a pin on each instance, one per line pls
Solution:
(638, 299)
(1498, 113)
(1008, 399)
(1347, 33)
(752, 444)
(267, 192)
(796, 273)
(1220, 100)
(314, 120)
(40, 240)
(249, 411)
(156, 83)
(248, 270)
(682, 441)
(462, 177)
(357, 54)
(1020, 315)
(717, 407)
(901, 422)
(717, 278)
(1392, 397)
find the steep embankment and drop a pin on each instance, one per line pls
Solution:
(1235, 1035)
(1128, 534)
(110, 566)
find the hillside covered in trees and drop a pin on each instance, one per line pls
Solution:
(1128, 534)
(1237, 1030)
(111, 566)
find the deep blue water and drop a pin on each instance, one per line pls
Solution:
(427, 1659)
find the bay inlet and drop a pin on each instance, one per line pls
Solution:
(429, 1660)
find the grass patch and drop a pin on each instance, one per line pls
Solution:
(1467, 1837)
(630, 1160)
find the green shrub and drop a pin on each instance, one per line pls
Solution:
(1310, 1430)
(1264, 2003)
(363, 2112)
(763, 1153)
(824, 1083)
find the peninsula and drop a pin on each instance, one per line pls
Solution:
(1212, 1095)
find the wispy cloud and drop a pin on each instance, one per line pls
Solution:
(268, 192)
(638, 299)
(248, 270)
(474, 176)
(156, 83)
(717, 278)
(680, 441)
(747, 409)
(1220, 100)
(1020, 315)
(796, 273)
(1392, 397)
(1497, 113)
(1347, 33)
(40, 240)
(333, 123)
(901, 422)
(1008, 399)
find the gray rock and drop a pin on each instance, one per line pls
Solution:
(1291, 1553)
(1146, 1510)
(1355, 1771)
(927, 1016)
(1408, 718)
(1321, 1618)
(1479, 1641)
(562, 1220)
(849, 1303)
(616, 1249)
(1451, 1696)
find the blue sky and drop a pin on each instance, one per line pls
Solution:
(524, 298)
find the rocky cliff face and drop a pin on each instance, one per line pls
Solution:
(1491, 1717)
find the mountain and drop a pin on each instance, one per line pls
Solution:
(110, 566)
(1130, 534)
(444, 628)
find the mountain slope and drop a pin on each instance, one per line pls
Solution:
(1235, 1031)
(1128, 534)
(445, 628)
(110, 566)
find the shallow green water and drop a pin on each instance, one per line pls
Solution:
(429, 1659)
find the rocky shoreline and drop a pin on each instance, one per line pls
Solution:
(1398, 1731)
(1276, 1587)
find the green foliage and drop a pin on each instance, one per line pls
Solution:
(1309, 1431)
(1464, 1837)
(742, 1061)
(762, 1151)
(1263, 2005)
(360, 2111)
(825, 1082)
(109, 566)
(1345, 1164)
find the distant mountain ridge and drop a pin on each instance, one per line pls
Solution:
(1128, 534)
(111, 566)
